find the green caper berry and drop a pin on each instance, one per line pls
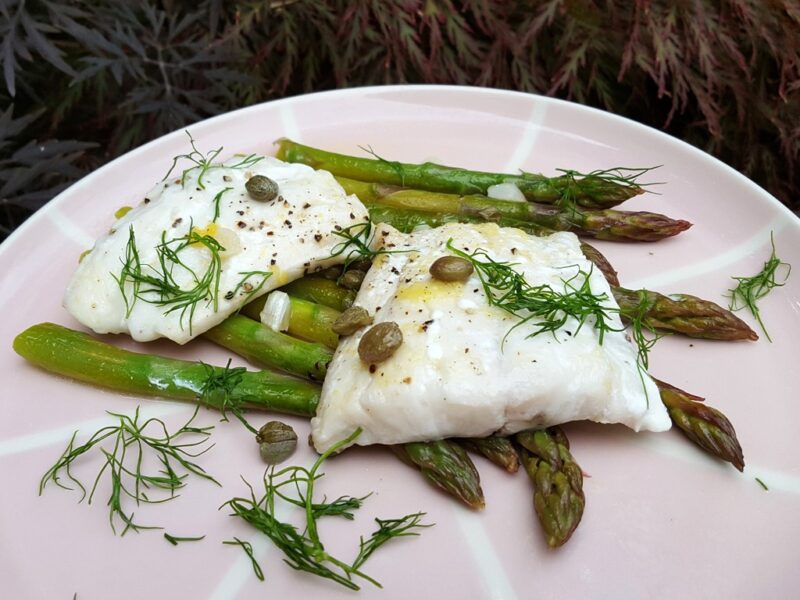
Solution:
(352, 280)
(276, 442)
(451, 268)
(351, 320)
(380, 342)
(261, 188)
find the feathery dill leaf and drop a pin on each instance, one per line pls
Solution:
(217, 199)
(356, 244)
(303, 549)
(134, 443)
(204, 162)
(627, 177)
(387, 530)
(175, 540)
(548, 309)
(751, 289)
(160, 284)
(396, 166)
(217, 390)
(248, 550)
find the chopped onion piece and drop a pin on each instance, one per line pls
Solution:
(276, 312)
(229, 240)
(505, 191)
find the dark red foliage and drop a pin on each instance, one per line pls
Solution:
(721, 74)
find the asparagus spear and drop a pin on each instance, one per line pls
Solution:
(447, 465)
(611, 225)
(321, 291)
(307, 320)
(681, 313)
(705, 426)
(596, 190)
(498, 450)
(262, 346)
(80, 356)
(557, 479)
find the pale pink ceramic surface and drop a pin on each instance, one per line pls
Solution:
(662, 520)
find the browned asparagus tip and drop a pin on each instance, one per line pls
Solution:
(704, 425)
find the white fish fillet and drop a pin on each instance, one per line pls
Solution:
(454, 375)
(285, 238)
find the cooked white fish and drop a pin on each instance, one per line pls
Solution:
(196, 249)
(461, 369)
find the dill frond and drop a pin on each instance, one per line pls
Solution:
(127, 447)
(303, 549)
(751, 289)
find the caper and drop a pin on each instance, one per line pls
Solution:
(451, 268)
(276, 442)
(351, 320)
(332, 273)
(261, 188)
(380, 342)
(352, 279)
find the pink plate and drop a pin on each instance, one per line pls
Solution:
(662, 519)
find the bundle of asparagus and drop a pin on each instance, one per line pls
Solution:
(574, 203)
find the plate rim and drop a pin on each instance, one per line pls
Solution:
(784, 211)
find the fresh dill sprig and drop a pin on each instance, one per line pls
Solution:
(159, 285)
(548, 308)
(132, 444)
(624, 176)
(388, 529)
(248, 287)
(393, 164)
(216, 201)
(205, 162)
(217, 391)
(131, 270)
(304, 550)
(751, 289)
(356, 244)
(175, 540)
(638, 324)
(248, 550)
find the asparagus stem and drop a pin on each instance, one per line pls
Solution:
(498, 450)
(610, 225)
(448, 466)
(307, 320)
(264, 347)
(591, 191)
(705, 426)
(682, 313)
(322, 291)
(79, 356)
(557, 479)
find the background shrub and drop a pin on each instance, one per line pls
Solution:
(84, 80)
